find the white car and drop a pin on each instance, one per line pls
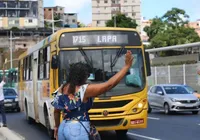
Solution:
(172, 97)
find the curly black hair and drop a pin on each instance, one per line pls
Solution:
(78, 74)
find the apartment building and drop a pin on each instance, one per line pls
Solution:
(68, 19)
(144, 23)
(21, 14)
(195, 25)
(103, 10)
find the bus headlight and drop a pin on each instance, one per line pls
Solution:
(140, 105)
(16, 99)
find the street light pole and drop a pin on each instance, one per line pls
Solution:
(115, 20)
(11, 64)
(52, 20)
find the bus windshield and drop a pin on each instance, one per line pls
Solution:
(104, 64)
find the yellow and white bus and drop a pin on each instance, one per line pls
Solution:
(44, 67)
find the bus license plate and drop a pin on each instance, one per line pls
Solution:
(138, 121)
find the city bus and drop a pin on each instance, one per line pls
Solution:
(11, 77)
(44, 67)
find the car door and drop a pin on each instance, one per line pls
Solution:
(159, 96)
(151, 95)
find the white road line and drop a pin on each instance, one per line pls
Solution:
(141, 136)
(153, 118)
(198, 124)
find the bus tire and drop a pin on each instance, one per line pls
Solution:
(121, 133)
(29, 119)
(47, 122)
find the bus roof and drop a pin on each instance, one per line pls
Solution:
(56, 35)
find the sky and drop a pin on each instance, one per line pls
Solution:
(149, 8)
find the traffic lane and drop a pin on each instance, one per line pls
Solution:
(18, 123)
(183, 118)
(177, 126)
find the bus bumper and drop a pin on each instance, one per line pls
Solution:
(121, 122)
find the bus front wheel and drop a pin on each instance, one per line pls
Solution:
(29, 119)
(121, 133)
(47, 121)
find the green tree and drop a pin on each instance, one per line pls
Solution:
(157, 26)
(122, 21)
(80, 24)
(170, 30)
(176, 17)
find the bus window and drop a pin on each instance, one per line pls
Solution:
(105, 63)
(30, 68)
(41, 65)
(46, 62)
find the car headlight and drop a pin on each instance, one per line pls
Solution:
(16, 99)
(173, 100)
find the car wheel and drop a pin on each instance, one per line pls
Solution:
(167, 109)
(149, 109)
(195, 112)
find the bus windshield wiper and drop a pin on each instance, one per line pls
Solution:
(86, 58)
(117, 56)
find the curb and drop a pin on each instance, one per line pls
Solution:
(7, 134)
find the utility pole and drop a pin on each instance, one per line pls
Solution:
(115, 20)
(52, 20)
(11, 65)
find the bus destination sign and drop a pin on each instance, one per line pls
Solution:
(97, 38)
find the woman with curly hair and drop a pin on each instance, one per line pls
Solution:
(76, 100)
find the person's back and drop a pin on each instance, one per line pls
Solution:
(76, 100)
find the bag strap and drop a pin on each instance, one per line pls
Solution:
(83, 126)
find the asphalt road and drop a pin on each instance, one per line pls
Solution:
(181, 126)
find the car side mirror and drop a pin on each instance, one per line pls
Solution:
(160, 93)
(54, 62)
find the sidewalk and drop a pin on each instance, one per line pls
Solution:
(7, 134)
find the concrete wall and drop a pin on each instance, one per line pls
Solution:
(170, 59)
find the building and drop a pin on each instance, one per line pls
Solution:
(57, 10)
(70, 19)
(103, 10)
(195, 25)
(21, 14)
(67, 19)
(144, 23)
(22, 39)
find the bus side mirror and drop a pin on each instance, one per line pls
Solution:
(54, 62)
(148, 64)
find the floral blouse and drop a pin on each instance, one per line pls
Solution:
(72, 106)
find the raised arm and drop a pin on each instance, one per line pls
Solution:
(94, 90)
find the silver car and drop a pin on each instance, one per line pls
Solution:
(172, 97)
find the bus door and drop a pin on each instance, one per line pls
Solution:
(35, 78)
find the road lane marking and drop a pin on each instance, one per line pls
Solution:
(198, 124)
(141, 136)
(153, 118)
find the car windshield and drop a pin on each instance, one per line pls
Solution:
(9, 92)
(190, 89)
(175, 90)
(104, 64)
